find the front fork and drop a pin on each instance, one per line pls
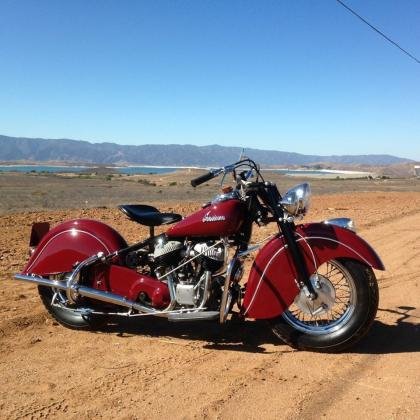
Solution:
(303, 278)
(272, 197)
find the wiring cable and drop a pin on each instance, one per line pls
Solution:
(378, 31)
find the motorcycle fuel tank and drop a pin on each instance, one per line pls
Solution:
(215, 220)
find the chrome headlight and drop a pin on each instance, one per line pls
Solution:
(296, 200)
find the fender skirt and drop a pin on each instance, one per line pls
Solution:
(272, 285)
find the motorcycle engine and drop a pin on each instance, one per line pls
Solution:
(198, 258)
(173, 252)
(167, 253)
(212, 258)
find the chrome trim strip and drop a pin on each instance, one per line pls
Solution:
(261, 278)
(310, 249)
(342, 243)
(61, 233)
(299, 240)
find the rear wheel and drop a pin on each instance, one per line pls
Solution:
(340, 316)
(56, 303)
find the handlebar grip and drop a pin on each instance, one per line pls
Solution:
(203, 178)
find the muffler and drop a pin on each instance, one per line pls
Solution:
(89, 293)
(42, 281)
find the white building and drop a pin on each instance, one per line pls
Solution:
(417, 171)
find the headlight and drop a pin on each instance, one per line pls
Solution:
(296, 200)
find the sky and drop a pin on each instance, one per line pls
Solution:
(300, 76)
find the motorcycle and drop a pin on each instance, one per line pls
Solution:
(313, 282)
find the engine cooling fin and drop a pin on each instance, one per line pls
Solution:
(164, 252)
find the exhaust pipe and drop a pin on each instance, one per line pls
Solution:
(89, 293)
(41, 281)
(114, 299)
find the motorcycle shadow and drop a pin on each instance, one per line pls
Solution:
(401, 337)
(252, 336)
(244, 336)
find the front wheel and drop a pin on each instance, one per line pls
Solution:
(340, 316)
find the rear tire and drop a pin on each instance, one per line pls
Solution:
(67, 316)
(346, 321)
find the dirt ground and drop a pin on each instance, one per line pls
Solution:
(152, 369)
(32, 191)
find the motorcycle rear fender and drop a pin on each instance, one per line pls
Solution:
(70, 243)
(272, 284)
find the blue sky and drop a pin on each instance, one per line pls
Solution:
(295, 75)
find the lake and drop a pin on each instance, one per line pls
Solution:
(129, 170)
(133, 170)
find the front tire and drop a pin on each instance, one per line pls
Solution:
(346, 307)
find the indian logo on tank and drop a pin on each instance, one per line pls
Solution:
(208, 218)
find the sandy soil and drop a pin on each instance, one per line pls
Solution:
(19, 191)
(153, 369)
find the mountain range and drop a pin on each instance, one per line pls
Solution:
(79, 151)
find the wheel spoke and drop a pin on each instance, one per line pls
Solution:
(337, 296)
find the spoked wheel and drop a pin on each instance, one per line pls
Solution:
(55, 301)
(341, 314)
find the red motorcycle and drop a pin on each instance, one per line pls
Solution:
(314, 282)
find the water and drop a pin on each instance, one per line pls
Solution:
(303, 172)
(320, 173)
(300, 172)
(133, 170)
(41, 168)
(130, 170)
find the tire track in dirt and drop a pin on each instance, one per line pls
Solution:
(117, 385)
(53, 409)
(390, 219)
(170, 372)
(319, 395)
(233, 390)
(400, 262)
(203, 372)
(397, 243)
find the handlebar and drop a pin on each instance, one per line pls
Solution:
(225, 170)
(202, 178)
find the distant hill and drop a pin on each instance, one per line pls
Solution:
(71, 151)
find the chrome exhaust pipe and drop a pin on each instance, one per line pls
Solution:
(42, 281)
(89, 293)
(114, 299)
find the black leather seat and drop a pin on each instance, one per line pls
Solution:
(148, 215)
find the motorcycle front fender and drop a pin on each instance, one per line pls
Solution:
(272, 284)
(70, 243)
